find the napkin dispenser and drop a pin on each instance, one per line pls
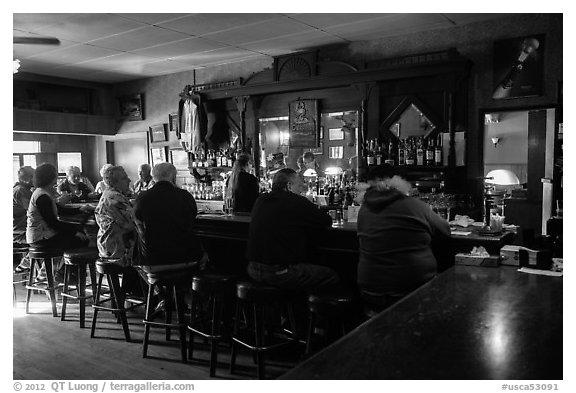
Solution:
(535, 259)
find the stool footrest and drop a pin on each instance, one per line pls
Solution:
(206, 335)
(264, 348)
(164, 324)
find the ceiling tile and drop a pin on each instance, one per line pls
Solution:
(119, 61)
(201, 24)
(324, 20)
(89, 27)
(138, 39)
(462, 19)
(35, 22)
(152, 19)
(258, 32)
(174, 49)
(75, 54)
(291, 43)
(389, 25)
(215, 56)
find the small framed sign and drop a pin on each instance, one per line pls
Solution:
(158, 155)
(179, 158)
(158, 133)
(335, 134)
(173, 123)
(303, 123)
(131, 107)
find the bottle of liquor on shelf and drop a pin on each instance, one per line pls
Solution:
(438, 160)
(378, 154)
(430, 152)
(410, 152)
(390, 157)
(420, 151)
(402, 152)
(370, 158)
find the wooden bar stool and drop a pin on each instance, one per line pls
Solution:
(216, 291)
(116, 296)
(39, 256)
(176, 283)
(18, 277)
(76, 261)
(258, 338)
(335, 308)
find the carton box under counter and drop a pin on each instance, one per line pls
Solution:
(509, 255)
(477, 260)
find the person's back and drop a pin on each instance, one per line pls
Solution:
(283, 227)
(21, 195)
(282, 232)
(395, 232)
(165, 221)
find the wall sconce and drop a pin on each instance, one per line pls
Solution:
(495, 141)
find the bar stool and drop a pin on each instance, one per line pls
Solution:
(176, 282)
(18, 277)
(333, 306)
(260, 297)
(76, 261)
(116, 296)
(218, 290)
(39, 255)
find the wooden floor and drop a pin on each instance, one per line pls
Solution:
(47, 348)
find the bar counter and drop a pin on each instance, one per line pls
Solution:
(225, 240)
(468, 323)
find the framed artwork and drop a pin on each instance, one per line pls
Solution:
(158, 155)
(158, 133)
(303, 123)
(336, 152)
(131, 107)
(335, 134)
(173, 123)
(518, 67)
(179, 158)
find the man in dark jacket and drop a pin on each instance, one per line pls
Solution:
(282, 230)
(395, 232)
(165, 217)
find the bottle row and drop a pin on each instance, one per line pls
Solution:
(213, 158)
(416, 151)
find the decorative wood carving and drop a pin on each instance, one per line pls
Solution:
(295, 66)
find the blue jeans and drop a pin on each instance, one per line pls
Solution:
(301, 276)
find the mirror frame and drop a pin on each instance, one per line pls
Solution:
(399, 110)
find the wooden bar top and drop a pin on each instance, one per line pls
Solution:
(468, 323)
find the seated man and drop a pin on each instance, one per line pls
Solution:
(164, 218)
(117, 231)
(282, 230)
(145, 181)
(21, 194)
(73, 185)
(395, 232)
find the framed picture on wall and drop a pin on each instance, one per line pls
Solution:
(173, 123)
(518, 67)
(131, 107)
(336, 152)
(158, 133)
(158, 155)
(303, 123)
(179, 158)
(335, 134)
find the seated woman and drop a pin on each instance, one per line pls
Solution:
(43, 228)
(395, 232)
(242, 186)
(73, 185)
(117, 231)
(101, 185)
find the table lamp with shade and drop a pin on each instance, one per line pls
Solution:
(497, 184)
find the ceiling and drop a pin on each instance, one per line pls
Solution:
(112, 48)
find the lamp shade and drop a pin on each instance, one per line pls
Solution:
(502, 177)
(310, 173)
(333, 170)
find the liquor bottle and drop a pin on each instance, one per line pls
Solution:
(420, 151)
(402, 152)
(430, 152)
(378, 154)
(438, 151)
(410, 152)
(370, 154)
(390, 158)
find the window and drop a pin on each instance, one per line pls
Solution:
(66, 160)
(26, 147)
